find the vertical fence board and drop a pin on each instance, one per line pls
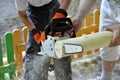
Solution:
(87, 20)
(18, 53)
(96, 14)
(25, 34)
(9, 52)
(1, 58)
(9, 47)
(1, 61)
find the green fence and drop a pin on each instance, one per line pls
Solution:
(7, 64)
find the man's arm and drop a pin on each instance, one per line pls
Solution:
(84, 7)
(65, 4)
(21, 7)
(25, 19)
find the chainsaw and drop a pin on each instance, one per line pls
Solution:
(59, 28)
(60, 43)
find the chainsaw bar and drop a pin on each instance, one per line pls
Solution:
(72, 48)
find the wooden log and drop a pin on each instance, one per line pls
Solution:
(88, 42)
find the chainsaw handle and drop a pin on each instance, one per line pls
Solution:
(61, 24)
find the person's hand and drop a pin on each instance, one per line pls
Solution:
(71, 33)
(116, 35)
(77, 23)
(38, 36)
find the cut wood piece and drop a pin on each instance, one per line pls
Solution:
(88, 42)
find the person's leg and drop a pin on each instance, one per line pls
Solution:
(35, 66)
(63, 68)
(109, 55)
(107, 69)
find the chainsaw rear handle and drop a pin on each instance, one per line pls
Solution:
(59, 23)
(62, 24)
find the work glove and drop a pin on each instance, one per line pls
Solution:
(38, 36)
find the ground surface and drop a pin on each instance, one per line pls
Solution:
(83, 69)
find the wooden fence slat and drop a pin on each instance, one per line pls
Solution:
(9, 47)
(8, 68)
(1, 61)
(25, 34)
(1, 58)
(87, 20)
(17, 41)
(18, 53)
(10, 54)
(96, 16)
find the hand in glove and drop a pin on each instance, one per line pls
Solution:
(38, 36)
